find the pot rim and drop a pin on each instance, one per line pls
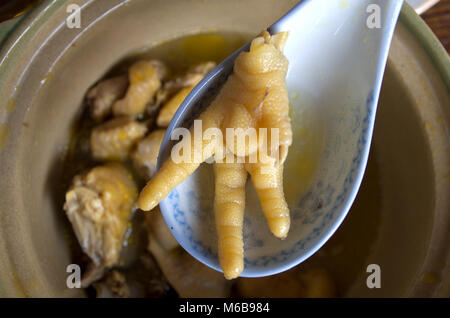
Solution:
(29, 25)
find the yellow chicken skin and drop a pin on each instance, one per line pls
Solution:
(145, 80)
(229, 204)
(170, 108)
(114, 139)
(183, 85)
(254, 96)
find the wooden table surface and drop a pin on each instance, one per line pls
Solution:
(438, 18)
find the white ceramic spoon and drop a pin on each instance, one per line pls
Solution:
(337, 50)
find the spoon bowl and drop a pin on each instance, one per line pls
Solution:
(337, 51)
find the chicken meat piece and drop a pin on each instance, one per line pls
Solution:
(102, 96)
(145, 156)
(314, 283)
(145, 80)
(191, 78)
(161, 69)
(170, 108)
(187, 276)
(99, 205)
(114, 139)
(183, 82)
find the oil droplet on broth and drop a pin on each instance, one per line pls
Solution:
(3, 135)
(430, 278)
(11, 106)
